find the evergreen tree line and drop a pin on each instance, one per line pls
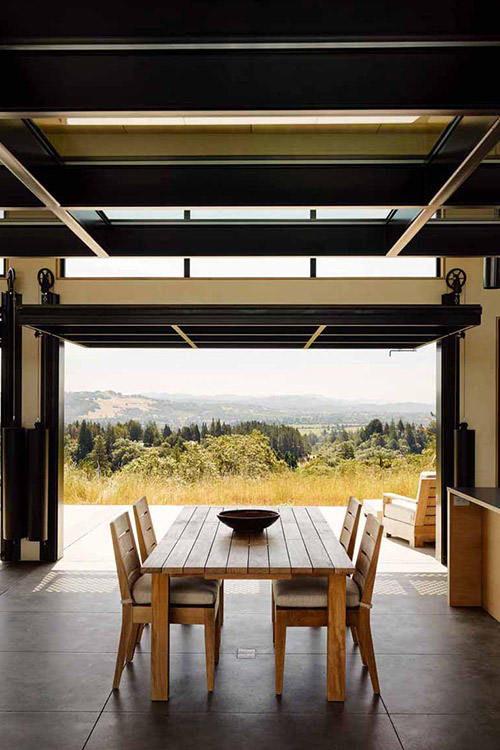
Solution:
(111, 446)
(395, 436)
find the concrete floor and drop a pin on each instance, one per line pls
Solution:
(59, 624)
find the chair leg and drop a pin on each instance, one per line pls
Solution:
(361, 650)
(279, 649)
(132, 642)
(366, 642)
(221, 603)
(140, 632)
(210, 648)
(354, 634)
(218, 625)
(122, 647)
(273, 614)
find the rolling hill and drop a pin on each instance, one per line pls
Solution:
(180, 409)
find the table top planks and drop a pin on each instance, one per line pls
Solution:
(198, 544)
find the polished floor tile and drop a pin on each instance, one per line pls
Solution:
(46, 589)
(244, 686)
(436, 634)
(411, 593)
(243, 731)
(448, 732)
(440, 684)
(59, 631)
(45, 731)
(54, 681)
(12, 573)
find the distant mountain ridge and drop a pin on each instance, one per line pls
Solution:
(179, 409)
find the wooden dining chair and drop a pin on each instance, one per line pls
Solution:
(193, 601)
(347, 540)
(304, 602)
(350, 526)
(147, 543)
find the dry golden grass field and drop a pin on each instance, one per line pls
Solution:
(287, 488)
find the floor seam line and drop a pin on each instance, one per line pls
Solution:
(96, 721)
(392, 723)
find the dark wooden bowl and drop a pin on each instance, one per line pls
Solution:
(248, 520)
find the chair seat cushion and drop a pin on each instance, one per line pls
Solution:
(310, 593)
(401, 510)
(183, 591)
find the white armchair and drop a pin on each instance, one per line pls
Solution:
(410, 518)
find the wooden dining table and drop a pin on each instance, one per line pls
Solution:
(300, 543)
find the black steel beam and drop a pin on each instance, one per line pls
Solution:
(233, 184)
(363, 344)
(315, 238)
(450, 79)
(199, 333)
(189, 22)
(61, 317)
(91, 187)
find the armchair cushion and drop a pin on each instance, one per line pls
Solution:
(183, 591)
(401, 509)
(311, 593)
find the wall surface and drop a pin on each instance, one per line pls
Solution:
(479, 407)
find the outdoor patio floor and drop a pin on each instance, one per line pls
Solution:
(59, 624)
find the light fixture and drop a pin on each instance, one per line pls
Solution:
(246, 119)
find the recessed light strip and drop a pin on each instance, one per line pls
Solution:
(245, 120)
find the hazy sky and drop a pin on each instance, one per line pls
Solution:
(349, 374)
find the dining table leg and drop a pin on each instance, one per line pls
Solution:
(335, 668)
(160, 660)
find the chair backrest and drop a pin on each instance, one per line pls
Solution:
(426, 497)
(144, 526)
(350, 526)
(366, 562)
(127, 558)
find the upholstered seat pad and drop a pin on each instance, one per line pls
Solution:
(183, 591)
(401, 510)
(310, 593)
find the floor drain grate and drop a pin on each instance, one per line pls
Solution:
(246, 653)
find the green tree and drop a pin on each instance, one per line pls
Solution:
(185, 433)
(410, 438)
(98, 457)
(167, 431)
(85, 443)
(124, 451)
(135, 431)
(151, 434)
(374, 427)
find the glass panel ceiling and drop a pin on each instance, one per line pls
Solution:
(294, 139)
(249, 214)
(246, 214)
(145, 214)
